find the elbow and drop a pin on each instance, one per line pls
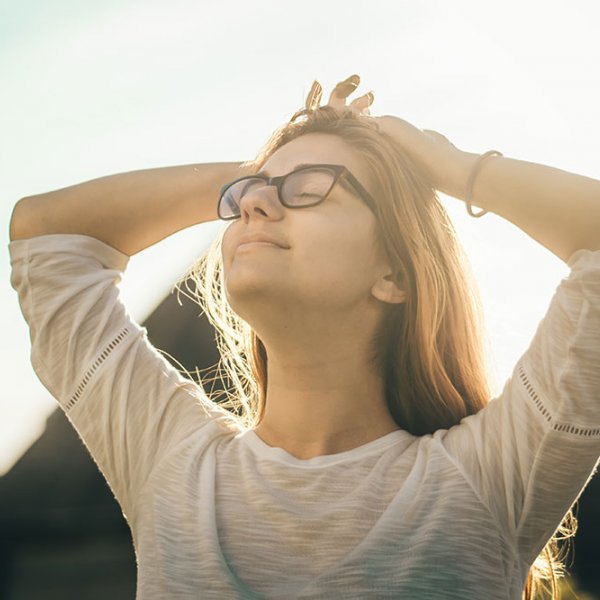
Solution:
(594, 243)
(19, 220)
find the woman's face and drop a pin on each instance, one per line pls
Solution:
(330, 261)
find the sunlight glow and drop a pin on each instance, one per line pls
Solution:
(124, 86)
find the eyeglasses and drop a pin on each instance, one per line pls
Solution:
(303, 187)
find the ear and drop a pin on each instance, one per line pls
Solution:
(386, 290)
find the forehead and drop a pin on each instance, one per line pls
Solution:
(313, 148)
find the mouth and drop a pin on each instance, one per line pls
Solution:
(245, 245)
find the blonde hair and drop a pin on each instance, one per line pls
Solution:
(430, 349)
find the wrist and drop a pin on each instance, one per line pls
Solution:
(455, 183)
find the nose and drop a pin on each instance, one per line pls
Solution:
(262, 203)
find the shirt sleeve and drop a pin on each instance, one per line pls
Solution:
(533, 449)
(129, 405)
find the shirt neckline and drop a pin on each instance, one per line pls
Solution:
(272, 453)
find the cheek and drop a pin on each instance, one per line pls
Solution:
(343, 258)
(226, 248)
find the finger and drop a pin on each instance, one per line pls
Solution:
(313, 100)
(337, 98)
(336, 102)
(363, 101)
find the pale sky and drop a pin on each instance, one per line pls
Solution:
(90, 89)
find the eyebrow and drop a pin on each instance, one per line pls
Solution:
(299, 166)
(342, 180)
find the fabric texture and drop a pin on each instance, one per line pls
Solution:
(215, 512)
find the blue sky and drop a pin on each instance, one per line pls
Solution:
(91, 89)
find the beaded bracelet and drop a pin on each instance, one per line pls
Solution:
(469, 192)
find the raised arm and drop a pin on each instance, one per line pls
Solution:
(128, 403)
(558, 209)
(129, 211)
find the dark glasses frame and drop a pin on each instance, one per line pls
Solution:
(339, 170)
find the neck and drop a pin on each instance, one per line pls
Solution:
(318, 405)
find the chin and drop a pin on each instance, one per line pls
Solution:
(241, 296)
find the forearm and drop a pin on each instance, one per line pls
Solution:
(129, 211)
(558, 209)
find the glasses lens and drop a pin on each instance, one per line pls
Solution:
(229, 206)
(307, 187)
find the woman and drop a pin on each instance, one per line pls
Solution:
(361, 456)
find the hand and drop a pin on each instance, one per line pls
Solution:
(441, 161)
(337, 98)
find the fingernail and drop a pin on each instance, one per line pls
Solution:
(351, 82)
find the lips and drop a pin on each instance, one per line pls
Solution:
(256, 237)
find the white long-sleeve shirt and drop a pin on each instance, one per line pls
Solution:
(216, 513)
